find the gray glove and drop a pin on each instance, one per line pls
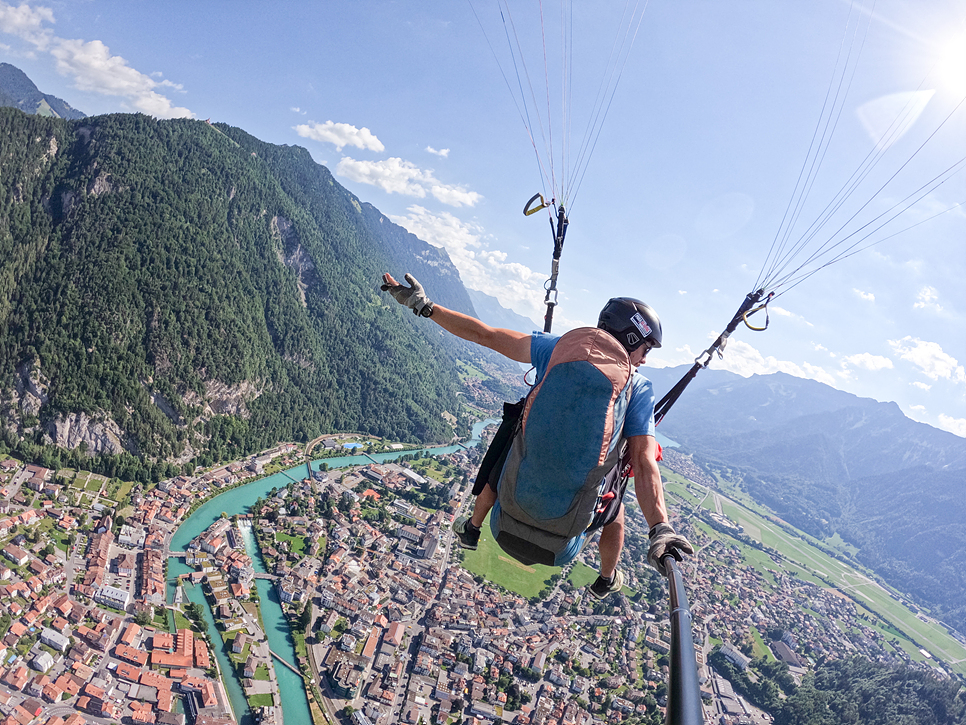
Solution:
(665, 541)
(413, 297)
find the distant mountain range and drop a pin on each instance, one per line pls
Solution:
(828, 461)
(18, 91)
(494, 314)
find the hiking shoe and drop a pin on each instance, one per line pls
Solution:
(602, 587)
(468, 535)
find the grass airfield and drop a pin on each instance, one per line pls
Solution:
(490, 562)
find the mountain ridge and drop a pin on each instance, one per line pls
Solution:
(493, 313)
(18, 91)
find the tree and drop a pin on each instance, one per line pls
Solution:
(144, 617)
(194, 611)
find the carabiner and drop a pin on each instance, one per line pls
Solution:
(750, 312)
(527, 211)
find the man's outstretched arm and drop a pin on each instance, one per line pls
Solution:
(510, 343)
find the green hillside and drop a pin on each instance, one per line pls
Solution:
(173, 290)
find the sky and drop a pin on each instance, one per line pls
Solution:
(706, 118)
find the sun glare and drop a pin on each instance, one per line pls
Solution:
(951, 65)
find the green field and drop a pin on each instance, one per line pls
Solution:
(499, 568)
(296, 543)
(760, 649)
(265, 700)
(468, 370)
(581, 575)
(490, 561)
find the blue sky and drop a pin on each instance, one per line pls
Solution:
(694, 166)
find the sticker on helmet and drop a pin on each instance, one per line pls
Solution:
(632, 339)
(641, 324)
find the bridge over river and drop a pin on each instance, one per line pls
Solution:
(288, 664)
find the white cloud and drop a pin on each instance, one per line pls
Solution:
(953, 425)
(395, 176)
(296, 109)
(867, 296)
(340, 135)
(927, 300)
(921, 409)
(929, 358)
(782, 312)
(90, 64)
(481, 268)
(819, 347)
(921, 385)
(682, 291)
(745, 360)
(455, 195)
(442, 153)
(27, 23)
(392, 175)
(94, 69)
(867, 361)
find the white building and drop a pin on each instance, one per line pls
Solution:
(113, 597)
(53, 638)
(42, 662)
(735, 656)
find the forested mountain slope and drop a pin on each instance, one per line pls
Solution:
(828, 461)
(858, 691)
(172, 289)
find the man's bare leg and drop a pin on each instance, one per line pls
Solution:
(481, 507)
(610, 545)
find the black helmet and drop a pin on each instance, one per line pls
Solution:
(632, 322)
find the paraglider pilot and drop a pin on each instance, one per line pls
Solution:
(637, 328)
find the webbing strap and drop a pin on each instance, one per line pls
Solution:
(558, 240)
(665, 403)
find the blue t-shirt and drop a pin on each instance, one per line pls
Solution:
(639, 419)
